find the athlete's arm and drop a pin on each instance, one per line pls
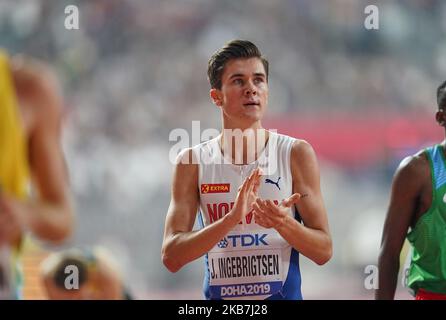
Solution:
(312, 238)
(181, 245)
(406, 189)
(48, 215)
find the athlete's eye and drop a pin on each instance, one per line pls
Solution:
(258, 80)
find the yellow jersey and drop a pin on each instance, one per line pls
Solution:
(14, 170)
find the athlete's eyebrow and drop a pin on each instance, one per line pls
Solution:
(236, 75)
(256, 74)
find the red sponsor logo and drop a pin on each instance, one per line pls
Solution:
(215, 188)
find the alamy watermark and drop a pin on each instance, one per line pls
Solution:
(234, 146)
(72, 280)
(71, 17)
(371, 21)
(371, 281)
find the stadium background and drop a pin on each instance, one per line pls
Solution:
(136, 69)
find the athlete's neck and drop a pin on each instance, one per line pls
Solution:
(243, 146)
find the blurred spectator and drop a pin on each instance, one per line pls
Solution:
(98, 277)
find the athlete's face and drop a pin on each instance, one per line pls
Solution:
(243, 96)
(440, 116)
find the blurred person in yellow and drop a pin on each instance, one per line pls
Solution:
(34, 193)
(83, 274)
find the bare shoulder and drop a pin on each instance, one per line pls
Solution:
(304, 166)
(186, 172)
(187, 156)
(413, 167)
(412, 179)
(37, 85)
(33, 71)
(303, 152)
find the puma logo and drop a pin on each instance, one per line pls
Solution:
(272, 182)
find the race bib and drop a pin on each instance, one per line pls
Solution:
(246, 265)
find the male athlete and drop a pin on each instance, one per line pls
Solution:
(259, 196)
(418, 202)
(34, 193)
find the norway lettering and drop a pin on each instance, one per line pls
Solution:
(219, 210)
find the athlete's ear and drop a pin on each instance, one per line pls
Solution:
(440, 117)
(216, 97)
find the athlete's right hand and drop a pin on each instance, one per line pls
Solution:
(246, 196)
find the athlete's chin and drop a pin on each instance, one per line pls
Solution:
(254, 115)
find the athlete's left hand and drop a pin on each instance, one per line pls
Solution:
(269, 215)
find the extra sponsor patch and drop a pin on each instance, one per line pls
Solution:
(215, 188)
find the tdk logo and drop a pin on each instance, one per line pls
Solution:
(246, 240)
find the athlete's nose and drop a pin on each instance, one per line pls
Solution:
(250, 89)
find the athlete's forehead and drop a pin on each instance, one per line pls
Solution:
(243, 67)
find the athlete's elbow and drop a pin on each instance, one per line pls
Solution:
(169, 259)
(59, 236)
(56, 233)
(54, 223)
(171, 264)
(325, 255)
(323, 259)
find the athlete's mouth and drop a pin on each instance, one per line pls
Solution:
(252, 103)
